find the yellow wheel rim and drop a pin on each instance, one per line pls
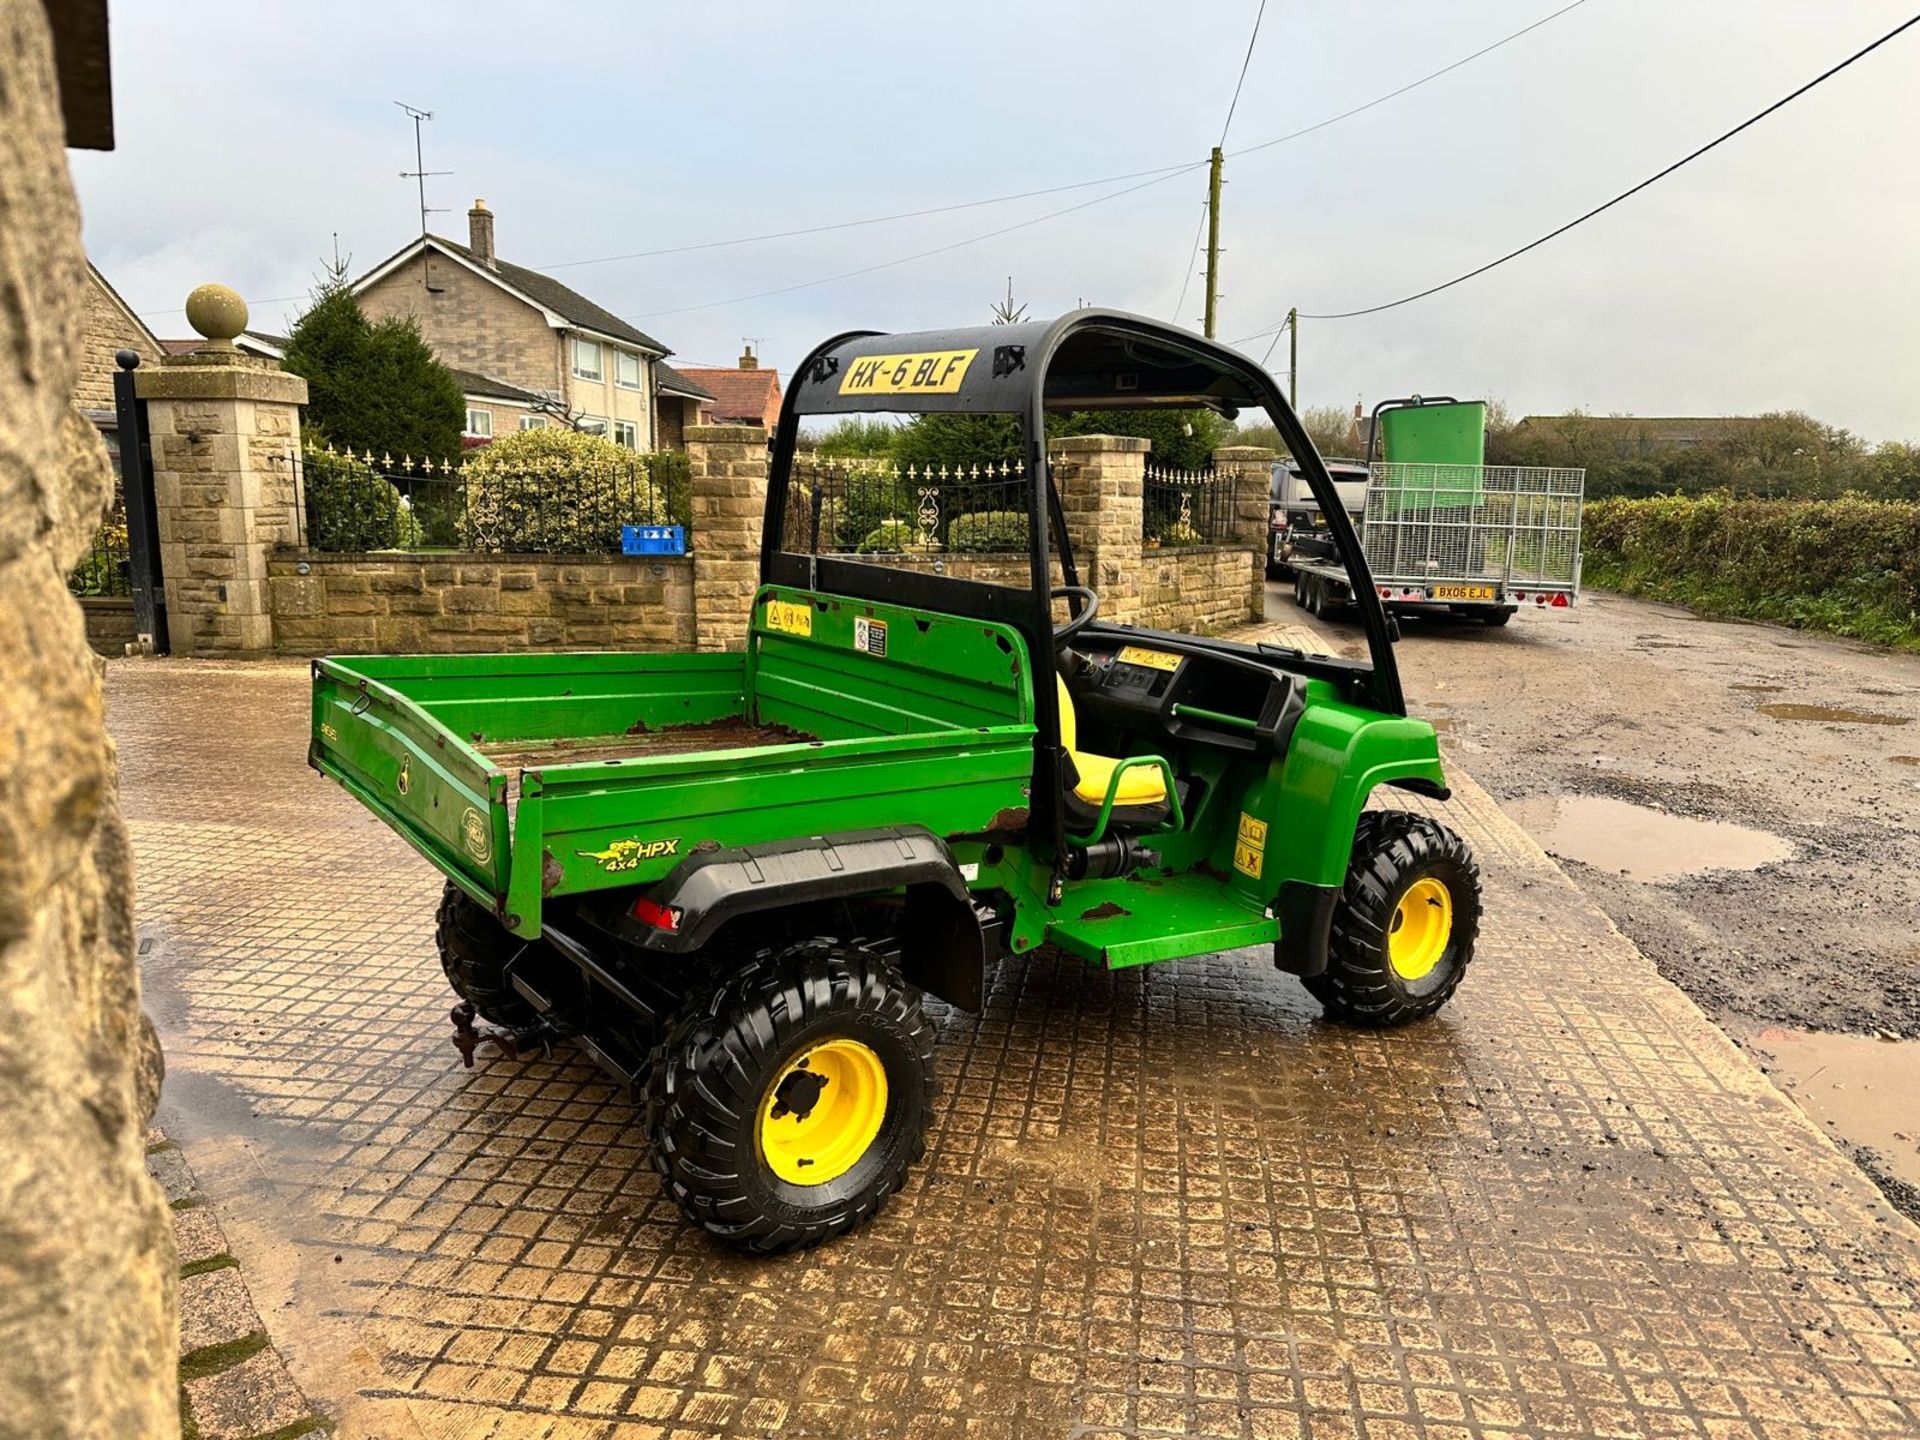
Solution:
(824, 1111)
(1422, 925)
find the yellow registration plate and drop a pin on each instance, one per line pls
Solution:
(933, 372)
(1464, 592)
(1152, 659)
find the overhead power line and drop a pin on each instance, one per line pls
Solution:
(1175, 169)
(1214, 163)
(871, 219)
(1163, 171)
(1600, 209)
(1410, 85)
(919, 255)
(1234, 103)
(1186, 281)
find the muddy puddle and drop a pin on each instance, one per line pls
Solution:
(1832, 714)
(1858, 1089)
(1640, 842)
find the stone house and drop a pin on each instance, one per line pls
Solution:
(108, 326)
(537, 346)
(744, 395)
(678, 402)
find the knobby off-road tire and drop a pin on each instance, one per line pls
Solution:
(1405, 923)
(718, 1114)
(474, 950)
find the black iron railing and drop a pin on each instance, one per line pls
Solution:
(878, 507)
(1186, 507)
(364, 502)
(105, 568)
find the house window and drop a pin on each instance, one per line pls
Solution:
(626, 369)
(626, 433)
(533, 422)
(480, 424)
(586, 359)
(593, 425)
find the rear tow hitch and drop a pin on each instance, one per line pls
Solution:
(512, 1044)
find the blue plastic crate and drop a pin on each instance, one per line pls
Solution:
(653, 540)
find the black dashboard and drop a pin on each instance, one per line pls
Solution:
(1160, 685)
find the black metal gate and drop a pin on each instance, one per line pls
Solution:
(143, 530)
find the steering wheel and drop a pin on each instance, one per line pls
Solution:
(1063, 633)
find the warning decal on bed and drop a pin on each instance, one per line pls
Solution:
(870, 635)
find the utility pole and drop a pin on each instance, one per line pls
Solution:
(419, 171)
(1213, 238)
(1293, 359)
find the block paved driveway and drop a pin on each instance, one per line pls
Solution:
(1163, 1202)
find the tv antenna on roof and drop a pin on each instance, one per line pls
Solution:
(420, 172)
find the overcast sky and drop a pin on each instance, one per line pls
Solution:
(1778, 273)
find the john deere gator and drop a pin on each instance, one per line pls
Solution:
(731, 878)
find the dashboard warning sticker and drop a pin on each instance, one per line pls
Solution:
(1152, 659)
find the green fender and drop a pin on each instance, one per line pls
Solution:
(1311, 800)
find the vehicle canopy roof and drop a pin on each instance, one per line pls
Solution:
(1091, 360)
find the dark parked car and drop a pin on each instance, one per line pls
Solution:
(1294, 518)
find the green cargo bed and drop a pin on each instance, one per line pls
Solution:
(525, 777)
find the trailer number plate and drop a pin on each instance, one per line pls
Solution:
(1463, 592)
(1152, 659)
(870, 635)
(1250, 845)
(790, 617)
(932, 372)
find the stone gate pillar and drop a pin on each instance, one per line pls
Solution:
(1249, 469)
(1102, 485)
(225, 428)
(729, 499)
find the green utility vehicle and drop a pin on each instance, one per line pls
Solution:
(731, 877)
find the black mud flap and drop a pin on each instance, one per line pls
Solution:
(1306, 920)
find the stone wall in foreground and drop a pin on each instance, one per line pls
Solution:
(88, 1335)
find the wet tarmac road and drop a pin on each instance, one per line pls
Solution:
(1740, 799)
(1160, 1202)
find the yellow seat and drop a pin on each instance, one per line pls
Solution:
(1142, 785)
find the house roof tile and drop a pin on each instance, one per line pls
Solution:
(676, 382)
(472, 382)
(739, 395)
(569, 304)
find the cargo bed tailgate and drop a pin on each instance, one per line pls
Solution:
(438, 792)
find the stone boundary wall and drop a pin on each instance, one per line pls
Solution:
(445, 604)
(109, 622)
(1197, 588)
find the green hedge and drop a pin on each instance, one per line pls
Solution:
(559, 491)
(1849, 566)
(351, 508)
(988, 531)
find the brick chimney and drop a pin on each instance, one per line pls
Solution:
(480, 234)
(748, 360)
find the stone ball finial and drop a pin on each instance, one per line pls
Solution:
(217, 312)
